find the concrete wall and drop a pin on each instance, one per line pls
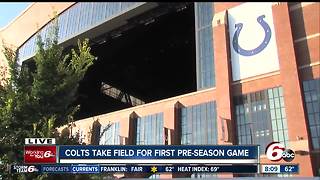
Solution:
(30, 20)
(27, 23)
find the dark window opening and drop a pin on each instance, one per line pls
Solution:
(151, 61)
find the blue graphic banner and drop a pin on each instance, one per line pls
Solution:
(289, 168)
(88, 169)
(190, 154)
(158, 152)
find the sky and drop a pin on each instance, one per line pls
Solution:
(9, 11)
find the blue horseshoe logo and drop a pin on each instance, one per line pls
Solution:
(265, 42)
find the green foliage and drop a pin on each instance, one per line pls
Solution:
(33, 104)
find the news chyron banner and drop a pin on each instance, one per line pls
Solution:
(42, 155)
(157, 154)
(44, 151)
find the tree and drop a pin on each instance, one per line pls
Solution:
(34, 103)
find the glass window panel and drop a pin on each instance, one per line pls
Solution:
(275, 92)
(274, 125)
(100, 7)
(278, 113)
(275, 136)
(153, 133)
(308, 97)
(142, 131)
(286, 135)
(283, 113)
(149, 130)
(194, 121)
(312, 85)
(310, 108)
(317, 118)
(249, 139)
(241, 110)
(311, 119)
(114, 8)
(313, 130)
(239, 140)
(281, 102)
(213, 120)
(183, 112)
(316, 107)
(316, 143)
(244, 139)
(189, 123)
(138, 131)
(284, 122)
(204, 123)
(86, 19)
(273, 114)
(237, 109)
(108, 10)
(270, 93)
(305, 86)
(95, 13)
(279, 123)
(202, 119)
(145, 129)
(263, 118)
(161, 130)
(277, 102)
(83, 16)
(280, 91)
(239, 130)
(312, 94)
(110, 134)
(240, 121)
(76, 19)
(88, 10)
(243, 130)
(205, 76)
(70, 22)
(61, 26)
(198, 128)
(111, 9)
(103, 11)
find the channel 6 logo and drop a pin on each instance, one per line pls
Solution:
(276, 151)
(40, 154)
(24, 168)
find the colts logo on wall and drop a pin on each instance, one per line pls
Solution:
(252, 40)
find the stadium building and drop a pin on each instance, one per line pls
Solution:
(191, 73)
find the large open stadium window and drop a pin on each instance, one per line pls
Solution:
(145, 63)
